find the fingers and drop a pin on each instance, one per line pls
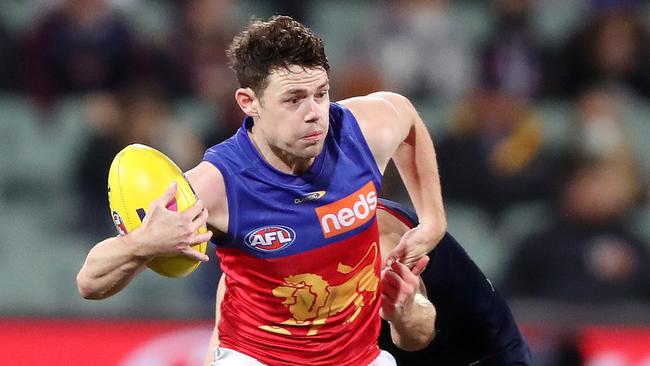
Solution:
(193, 240)
(394, 255)
(387, 309)
(193, 211)
(200, 220)
(200, 238)
(194, 254)
(404, 274)
(396, 294)
(391, 307)
(420, 265)
(398, 283)
(396, 286)
(401, 253)
(409, 262)
(390, 286)
(196, 238)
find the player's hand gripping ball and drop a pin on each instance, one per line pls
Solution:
(139, 175)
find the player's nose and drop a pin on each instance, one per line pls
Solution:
(314, 113)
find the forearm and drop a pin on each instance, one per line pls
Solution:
(109, 267)
(416, 328)
(415, 159)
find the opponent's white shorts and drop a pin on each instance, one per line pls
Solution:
(229, 357)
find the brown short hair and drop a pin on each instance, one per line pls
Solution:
(279, 42)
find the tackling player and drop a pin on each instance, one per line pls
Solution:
(474, 325)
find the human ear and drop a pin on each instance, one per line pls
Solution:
(247, 101)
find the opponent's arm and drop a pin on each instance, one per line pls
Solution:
(113, 263)
(405, 306)
(393, 129)
(214, 340)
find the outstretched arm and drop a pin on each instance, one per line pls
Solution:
(114, 262)
(393, 129)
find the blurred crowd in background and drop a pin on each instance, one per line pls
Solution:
(539, 110)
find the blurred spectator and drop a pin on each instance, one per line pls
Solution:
(424, 53)
(8, 61)
(601, 133)
(589, 255)
(492, 155)
(149, 121)
(513, 58)
(611, 50)
(223, 127)
(138, 115)
(193, 62)
(105, 118)
(77, 47)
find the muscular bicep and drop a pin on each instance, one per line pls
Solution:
(384, 122)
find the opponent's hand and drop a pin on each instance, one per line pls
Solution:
(413, 245)
(165, 233)
(399, 286)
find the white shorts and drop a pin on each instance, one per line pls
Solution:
(229, 357)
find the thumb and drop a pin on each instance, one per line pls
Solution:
(420, 265)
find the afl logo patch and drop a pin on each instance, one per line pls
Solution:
(119, 223)
(270, 238)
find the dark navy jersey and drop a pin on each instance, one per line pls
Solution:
(474, 324)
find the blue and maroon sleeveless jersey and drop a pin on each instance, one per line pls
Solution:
(301, 255)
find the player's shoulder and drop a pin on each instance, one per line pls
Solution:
(204, 174)
(204, 177)
(204, 170)
(383, 123)
(378, 104)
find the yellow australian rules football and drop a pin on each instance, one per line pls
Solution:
(139, 175)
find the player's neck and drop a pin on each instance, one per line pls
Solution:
(280, 159)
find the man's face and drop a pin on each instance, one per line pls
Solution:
(293, 112)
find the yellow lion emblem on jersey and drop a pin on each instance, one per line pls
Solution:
(311, 300)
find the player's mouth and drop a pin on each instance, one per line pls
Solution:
(314, 136)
